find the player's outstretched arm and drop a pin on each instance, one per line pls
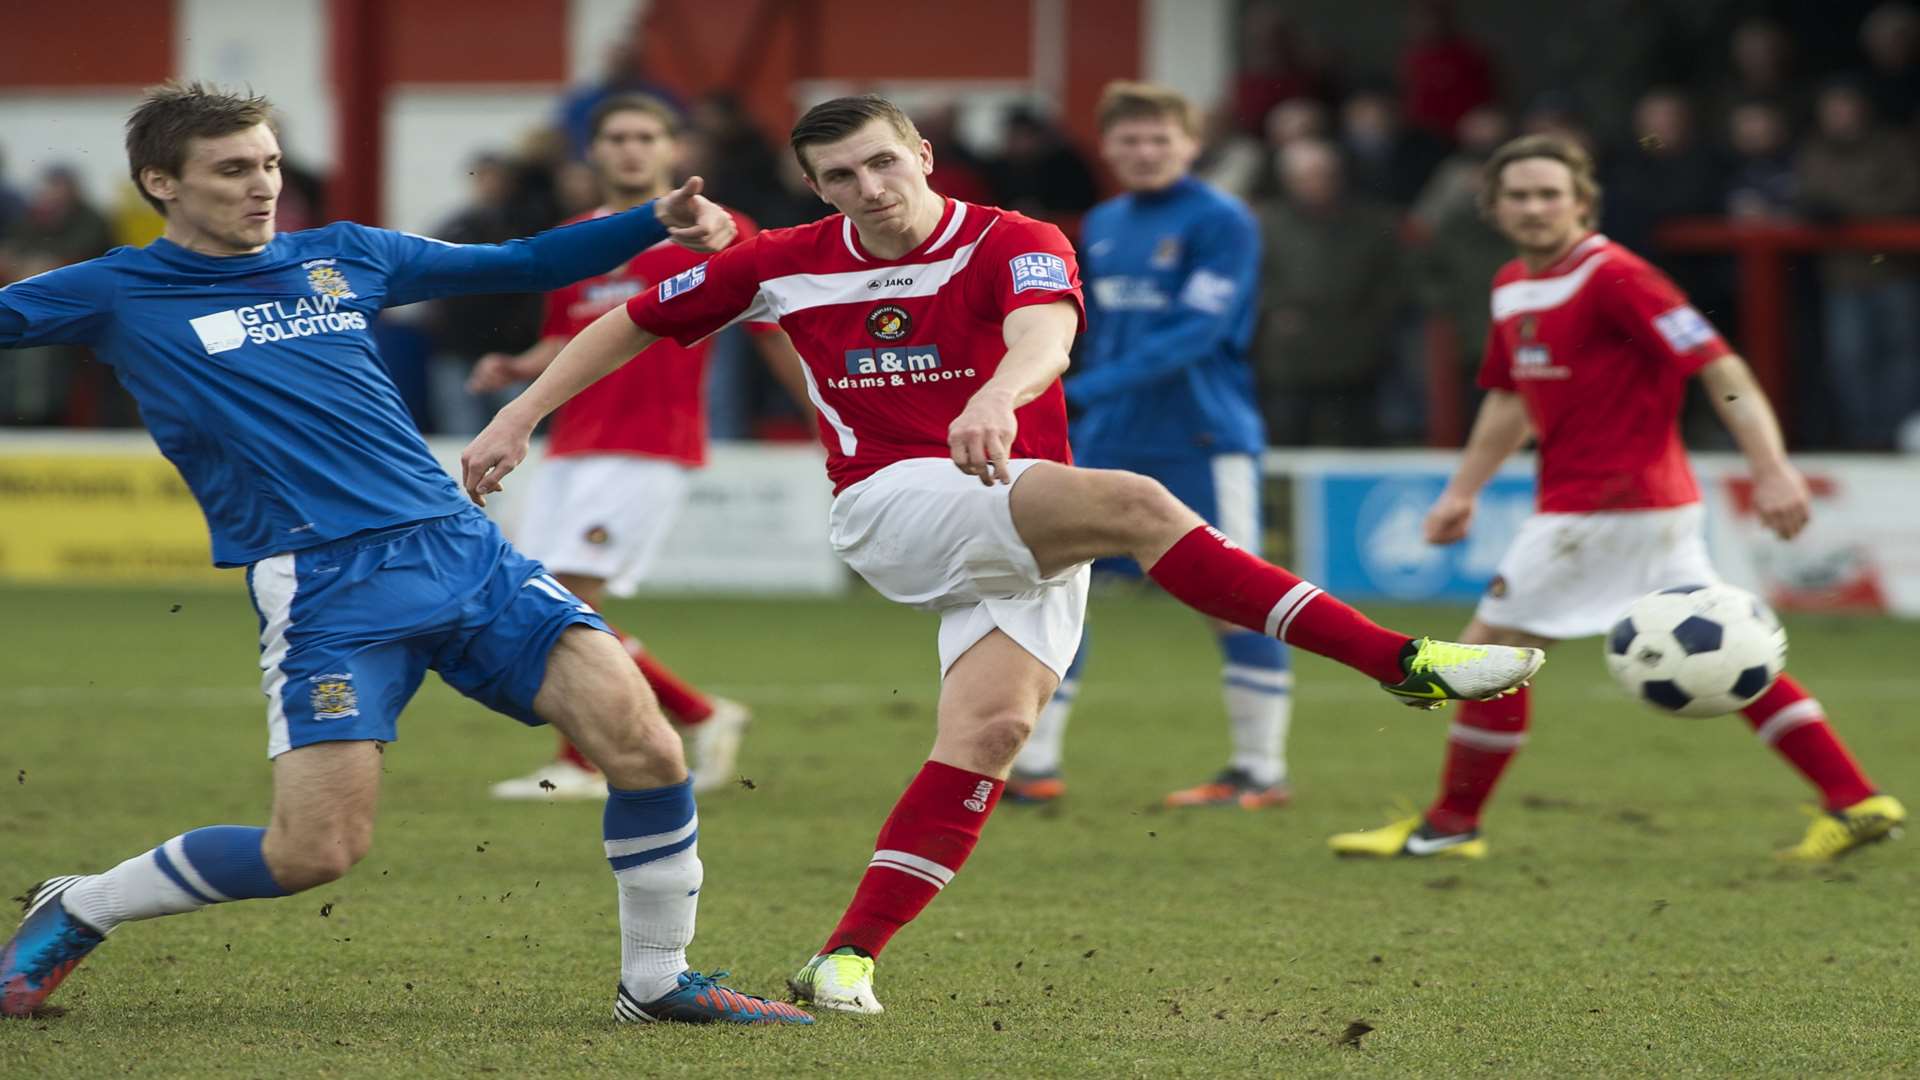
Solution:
(1038, 338)
(1501, 428)
(1780, 494)
(608, 342)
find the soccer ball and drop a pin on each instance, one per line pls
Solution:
(1697, 650)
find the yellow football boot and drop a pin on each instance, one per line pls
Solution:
(1409, 837)
(1837, 832)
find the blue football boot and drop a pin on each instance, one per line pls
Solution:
(700, 999)
(45, 949)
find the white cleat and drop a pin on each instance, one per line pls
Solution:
(713, 744)
(1442, 671)
(554, 780)
(842, 982)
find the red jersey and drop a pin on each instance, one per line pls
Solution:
(1599, 346)
(893, 347)
(654, 406)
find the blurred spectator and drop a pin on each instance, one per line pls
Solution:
(1385, 161)
(1443, 74)
(1555, 113)
(11, 203)
(466, 328)
(533, 181)
(1039, 173)
(1274, 66)
(1664, 173)
(58, 226)
(1762, 58)
(1455, 183)
(1761, 185)
(1854, 168)
(623, 71)
(1230, 159)
(1329, 288)
(1288, 122)
(793, 202)
(1890, 38)
(958, 172)
(56, 384)
(735, 160)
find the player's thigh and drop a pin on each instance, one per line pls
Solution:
(988, 703)
(325, 796)
(1069, 515)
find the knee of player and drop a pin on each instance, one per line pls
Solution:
(999, 735)
(318, 860)
(1143, 501)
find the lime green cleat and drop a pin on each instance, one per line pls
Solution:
(842, 981)
(1443, 671)
(1410, 836)
(1835, 834)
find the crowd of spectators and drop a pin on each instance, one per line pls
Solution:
(1366, 186)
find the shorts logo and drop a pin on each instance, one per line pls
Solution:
(1039, 270)
(683, 282)
(889, 322)
(597, 535)
(977, 802)
(326, 280)
(1497, 588)
(906, 358)
(333, 696)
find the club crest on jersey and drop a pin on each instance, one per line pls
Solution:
(1166, 253)
(889, 322)
(333, 696)
(325, 278)
(683, 282)
(1039, 270)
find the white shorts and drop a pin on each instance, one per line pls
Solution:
(602, 515)
(926, 534)
(1574, 575)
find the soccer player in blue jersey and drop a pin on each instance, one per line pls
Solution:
(1163, 388)
(251, 357)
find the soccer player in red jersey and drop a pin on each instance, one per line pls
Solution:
(934, 334)
(1590, 352)
(619, 455)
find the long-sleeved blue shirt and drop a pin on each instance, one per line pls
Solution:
(1172, 278)
(257, 374)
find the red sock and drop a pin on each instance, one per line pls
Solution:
(1794, 724)
(1213, 575)
(571, 754)
(925, 841)
(1482, 740)
(682, 702)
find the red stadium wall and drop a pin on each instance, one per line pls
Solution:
(61, 45)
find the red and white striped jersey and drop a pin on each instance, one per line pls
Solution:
(1599, 346)
(893, 347)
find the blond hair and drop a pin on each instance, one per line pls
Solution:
(1123, 100)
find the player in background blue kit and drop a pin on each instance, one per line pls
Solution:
(252, 359)
(1163, 388)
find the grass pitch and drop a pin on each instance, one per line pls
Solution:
(1630, 921)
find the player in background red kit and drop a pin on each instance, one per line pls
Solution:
(1590, 352)
(619, 455)
(934, 334)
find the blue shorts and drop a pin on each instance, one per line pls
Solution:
(348, 629)
(1224, 489)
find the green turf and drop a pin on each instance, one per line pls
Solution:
(1630, 921)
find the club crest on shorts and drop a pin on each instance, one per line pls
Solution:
(333, 696)
(597, 535)
(1497, 588)
(889, 322)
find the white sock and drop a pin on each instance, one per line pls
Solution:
(211, 865)
(1258, 717)
(658, 901)
(1042, 753)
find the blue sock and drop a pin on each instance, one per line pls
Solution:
(652, 839)
(214, 865)
(1257, 685)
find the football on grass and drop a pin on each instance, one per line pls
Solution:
(1697, 650)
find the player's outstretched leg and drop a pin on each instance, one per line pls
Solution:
(1036, 772)
(1068, 515)
(1257, 686)
(651, 831)
(987, 708)
(323, 805)
(1853, 814)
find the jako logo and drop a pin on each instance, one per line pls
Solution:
(893, 361)
(978, 802)
(890, 283)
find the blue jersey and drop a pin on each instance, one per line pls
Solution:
(257, 374)
(1161, 373)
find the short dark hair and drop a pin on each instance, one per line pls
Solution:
(624, 103)
(1137, 100)
(831, 121)
(1553, 148)
(174, 112)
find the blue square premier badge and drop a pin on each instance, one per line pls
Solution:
(683, 282)
(1039, 270)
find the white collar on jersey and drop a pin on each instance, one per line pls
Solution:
(946, 235)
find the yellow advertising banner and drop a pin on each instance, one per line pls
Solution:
(105, 516)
